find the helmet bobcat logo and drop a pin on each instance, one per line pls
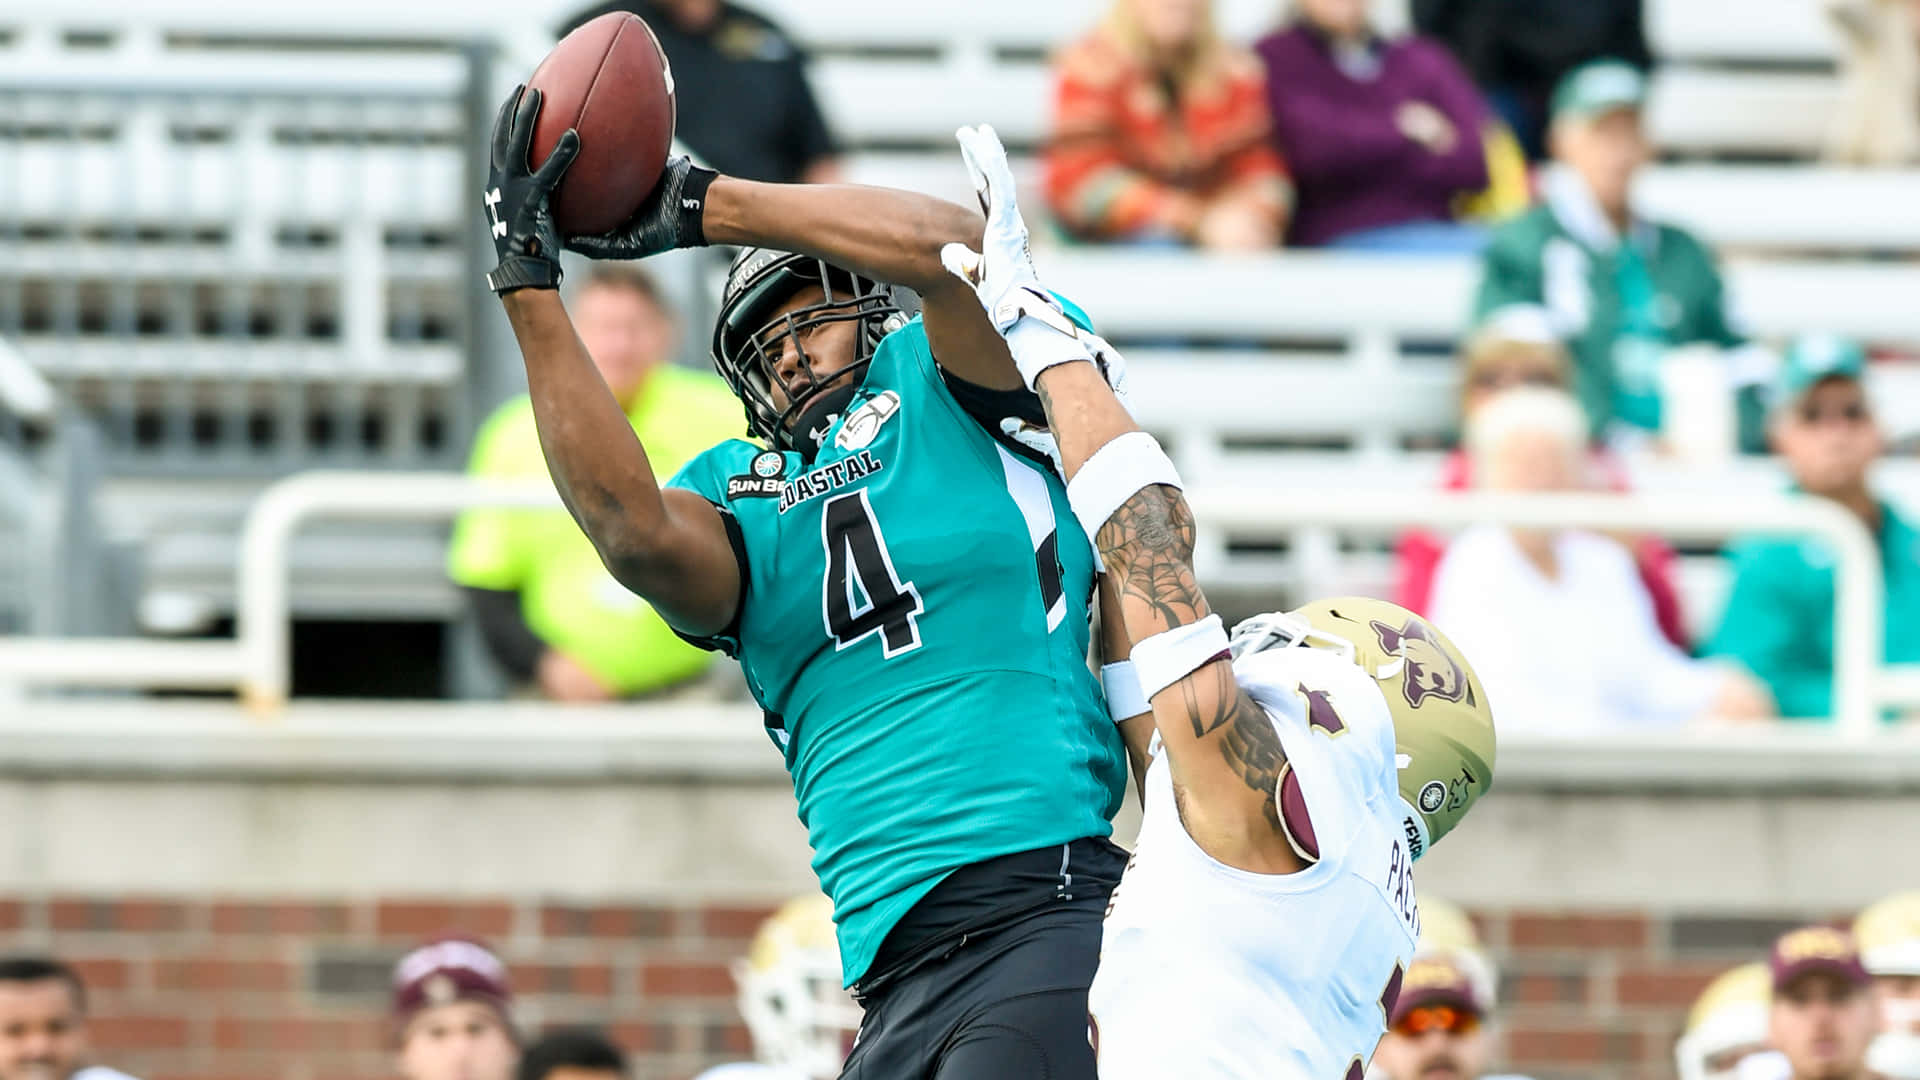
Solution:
(1429, 670)
(1442, 725)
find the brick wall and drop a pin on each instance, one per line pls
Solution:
(239, 990)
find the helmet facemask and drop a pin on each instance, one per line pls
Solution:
(749, 341)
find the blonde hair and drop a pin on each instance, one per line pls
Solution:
(1124, 25)
(1526, 409)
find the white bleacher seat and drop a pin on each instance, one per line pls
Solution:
(1787, 207)
(1704, 111)
(1765, 31)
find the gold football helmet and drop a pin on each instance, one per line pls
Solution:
(1442, 724)
(1443, 925)
(1888, 934)
(1727, 1025)
(790, 992)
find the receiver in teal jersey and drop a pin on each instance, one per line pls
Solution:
(926, 679)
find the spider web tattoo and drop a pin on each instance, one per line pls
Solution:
(1148, 546)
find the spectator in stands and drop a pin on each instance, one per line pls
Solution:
(744, 104)
(803, 1024)
(1779, 617)
(1726, 1026)
(572, 1054)
(1822, 1016)
(1161, 134)
(1878, 120)
(549, 611)
(1888, 934)
(1438, 1027)
(1558, 620)
(1623, 290)
(453, 1010)
(1383, 137)
(1516, 346)
(43, 1022)
(1519, 50)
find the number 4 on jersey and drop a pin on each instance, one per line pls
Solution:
(857, 558)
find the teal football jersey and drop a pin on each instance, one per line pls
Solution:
(915, 625)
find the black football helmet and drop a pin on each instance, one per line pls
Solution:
(747, 340)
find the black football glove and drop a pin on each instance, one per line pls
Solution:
(524, 235)
(670, 218)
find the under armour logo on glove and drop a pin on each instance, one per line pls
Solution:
(492, 199)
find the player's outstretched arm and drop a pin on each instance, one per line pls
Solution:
(1224, 752)
(670, 547)
(891, 236)
(1225, 755)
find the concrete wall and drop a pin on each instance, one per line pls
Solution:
(236, 886)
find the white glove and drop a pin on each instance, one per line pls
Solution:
(1001, 274)
(1034, 438)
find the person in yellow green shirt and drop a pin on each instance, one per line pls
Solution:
(549, 611)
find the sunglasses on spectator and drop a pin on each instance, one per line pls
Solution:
(1853, 413)
(1437, 1018)
(1496, 379)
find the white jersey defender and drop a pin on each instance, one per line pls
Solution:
(1208, 971)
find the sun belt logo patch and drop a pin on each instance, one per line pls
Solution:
(862, 425)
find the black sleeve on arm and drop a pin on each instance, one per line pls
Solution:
(512, 642)
(988, 407)
(728, 639)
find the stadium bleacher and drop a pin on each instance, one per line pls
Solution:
(288, 283)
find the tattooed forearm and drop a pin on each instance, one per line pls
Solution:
(1215, 703)
(1148, 546)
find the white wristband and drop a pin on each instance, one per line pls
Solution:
(1122, 684)
(1114, 474)
(1172, 655)
(1037, 346)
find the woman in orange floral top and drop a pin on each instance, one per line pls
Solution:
(1161, 133)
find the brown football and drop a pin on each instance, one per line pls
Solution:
(609, 81)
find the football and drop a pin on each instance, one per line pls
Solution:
(610, 81)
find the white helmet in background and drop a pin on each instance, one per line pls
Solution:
(790, 992)
(1444, 925)
(1888, 934)
(1728, 1025)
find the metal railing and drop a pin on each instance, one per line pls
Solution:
(258, 663)
(259, 263)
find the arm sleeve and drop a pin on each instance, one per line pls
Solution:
(1463, 168)
(1760, 628)
(513, 644)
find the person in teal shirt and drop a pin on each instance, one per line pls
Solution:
(900, 575)
(1622, 290)
(1779, 617)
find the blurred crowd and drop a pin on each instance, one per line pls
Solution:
(1509, 129)
(1827, 1002)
